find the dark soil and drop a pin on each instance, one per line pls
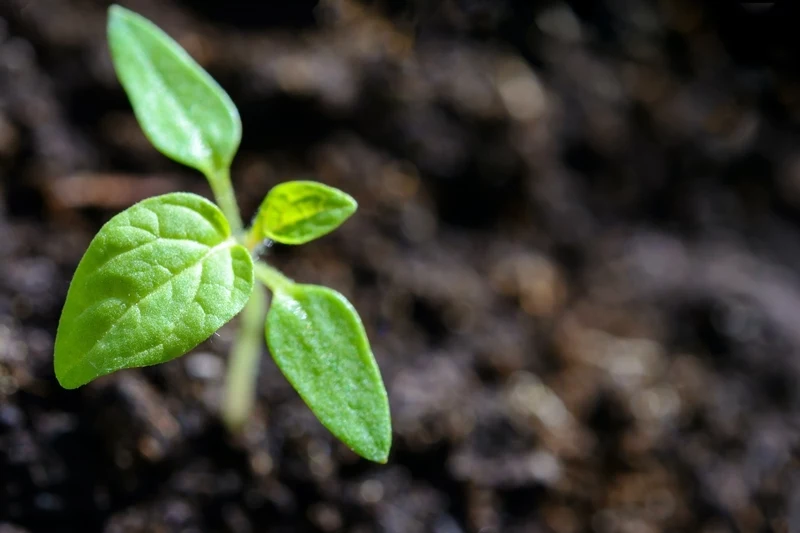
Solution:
(576, 256)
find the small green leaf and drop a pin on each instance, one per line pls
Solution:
(296, 212)
(182, 110)
(157, 280)
(319, 343)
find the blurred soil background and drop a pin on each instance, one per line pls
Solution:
(577, 256)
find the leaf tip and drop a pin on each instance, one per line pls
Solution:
(383, 446)
(378, 442)
(352, 205)
(116, 12)
(65, 378)
(118, 18)
(378, 454)
(66, 384)
(383, 458)
(349, 204)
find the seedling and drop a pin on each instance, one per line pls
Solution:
(164, 275)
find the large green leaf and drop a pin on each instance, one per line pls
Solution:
(182, 110)
(319, 343)
(296, 212)
(157, 280)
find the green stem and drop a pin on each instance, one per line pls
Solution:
(226, 199)
(271, 277)
(252, 239)
(240, 384)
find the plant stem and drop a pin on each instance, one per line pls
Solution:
(252, 240)
(226, 199)
(240, 383)
(271, 277)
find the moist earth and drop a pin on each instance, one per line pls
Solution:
(576, 256)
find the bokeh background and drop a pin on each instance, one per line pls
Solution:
(576, 256)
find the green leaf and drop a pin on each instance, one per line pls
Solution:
(319, 343)
(157, 280)
(296, 212)
(182, 110)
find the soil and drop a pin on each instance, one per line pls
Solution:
(576, 256)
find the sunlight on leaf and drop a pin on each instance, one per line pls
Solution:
(157, 280)
(297, 212)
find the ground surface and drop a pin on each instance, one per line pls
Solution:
(576, 256)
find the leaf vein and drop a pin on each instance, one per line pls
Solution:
(135, 305)
(165, 91)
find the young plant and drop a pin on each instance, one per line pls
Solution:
(162, 276)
